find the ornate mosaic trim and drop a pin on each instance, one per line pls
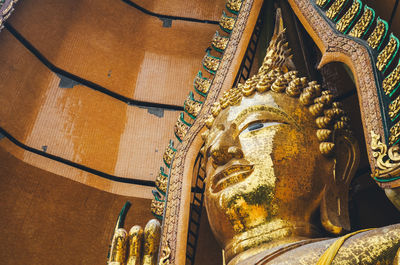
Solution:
(378, 35)
(364, 23)
(194, 103)
(392, 81)
(387, 168)
(384, 48)
(211, 63)
(6, 8)
(386, 56)
(335, 8)
(348, 19)
(219, 42)
(172, 219)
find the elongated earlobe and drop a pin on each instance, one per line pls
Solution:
(334, 204)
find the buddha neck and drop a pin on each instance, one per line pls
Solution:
(266, 236)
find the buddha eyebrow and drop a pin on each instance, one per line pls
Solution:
(244, 113)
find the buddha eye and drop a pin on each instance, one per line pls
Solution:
(259, 125)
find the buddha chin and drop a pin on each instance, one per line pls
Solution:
(264, 172)
(278, 149)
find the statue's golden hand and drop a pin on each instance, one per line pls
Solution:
(138, 247)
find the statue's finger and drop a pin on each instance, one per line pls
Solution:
(135, 245)
(152, 233)
(118, 247)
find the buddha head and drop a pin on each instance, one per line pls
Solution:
(278, 149)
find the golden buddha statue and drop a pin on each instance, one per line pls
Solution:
(279, 161)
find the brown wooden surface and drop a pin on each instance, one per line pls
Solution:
(48, 219)
(205, 9)
(78, 124)
(116, 46)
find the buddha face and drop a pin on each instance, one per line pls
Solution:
(263, 166)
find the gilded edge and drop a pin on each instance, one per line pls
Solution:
(172, 211)
(363, 64)
(165, 254)
(227, 23)
(322, 3)
(348, 19)
(379, 33)
(394, 108)
(201, 84)
(234, 6)
(364, 23)
(219, 42)
(192, 106)
(6, 8)
(392, 81)
(386, 55)
(335, 8)
(387, 163)
(394, 134)
(211, 63)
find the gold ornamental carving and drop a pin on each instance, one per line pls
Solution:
(157, 207)
(219, 42)
(169, 153)
(321, 3)
(379, 33)
(162, 181)
(384, 58)
(394, 108)
(234, 5)
(192, 106)
(387, 159)
(335, 8)
(394, 134)
(165, 253)
(363, 24)
(348, 18)
(181, 128)
(172, 216)
(392, 81)
(201, 84)
(227, 23)
(211, 63)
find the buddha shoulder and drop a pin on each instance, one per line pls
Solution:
(377, 246)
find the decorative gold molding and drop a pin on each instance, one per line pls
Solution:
(335, 8)
(169, 153)
(227, 23)
(173, 217)
(162, 181)
(165, 253)
(211, 63)
(192, 106)
(387, 53)
(181, 128)
(234, 5)
(392, 81)
(394, 108)
(394, 134)
(201, 84)
(219, 42)
(379, 33)
(157, 207)
(336, 47)
(363, 24)
(348, 18)
(387, 163)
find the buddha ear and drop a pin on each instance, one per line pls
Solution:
(334, 204)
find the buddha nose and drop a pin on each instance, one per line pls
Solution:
(224, 149)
